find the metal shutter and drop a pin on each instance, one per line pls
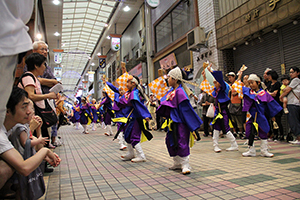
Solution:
(257, 56)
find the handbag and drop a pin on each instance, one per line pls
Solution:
(47, 114)
(210, 111)
(32, 186)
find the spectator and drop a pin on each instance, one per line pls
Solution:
(266, 77)
(206, 100)
(293, 95)
(10, 159)
(36, 67)
(274, 91)
(14, 43)
(152, 105)
(235, 107)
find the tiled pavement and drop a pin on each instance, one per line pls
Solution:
(91, 168)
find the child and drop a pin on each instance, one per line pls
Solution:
(119, 94)
(135, 111)
(94, 108)
(181, 118)
(221, 121)
(86, 115)
(285, 82)
(107, 108)
(258, 103)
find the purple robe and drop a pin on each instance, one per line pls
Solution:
(263, 104)
(176, 106)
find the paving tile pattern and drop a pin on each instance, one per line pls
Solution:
(91, 168)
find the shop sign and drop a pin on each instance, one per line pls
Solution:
(169, 61)
(153, 3)
(57, 72)
(102, 61)
(115, 42)
(58, 55)
(91, 76)
(273, 4)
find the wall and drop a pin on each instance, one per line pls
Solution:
(131, 37)
(228, 6)
(208, 10)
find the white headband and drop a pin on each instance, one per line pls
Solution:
(253, 77)
(134, 80)
(175, 73)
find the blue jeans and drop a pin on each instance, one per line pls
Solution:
(294, 118)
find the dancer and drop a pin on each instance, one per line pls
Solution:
(94, 108)
(108, 114)
(221, 121)
(86, 115)
(119, 93)
(76, 116)
(258, 103)
(133, 108)
(182, 120)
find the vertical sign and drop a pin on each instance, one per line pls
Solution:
(58, 55)
(102, 61)
(115, 42)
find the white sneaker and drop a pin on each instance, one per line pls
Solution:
(186, 171)
(127, 157)
(122, 147)
(295, 142)
(138, 159)
(217, 149)
(250, 153)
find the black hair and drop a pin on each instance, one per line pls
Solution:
(16, 96)
(284, 76)
(296, 69)
(137, 78)
(34, 59)
(273, 74)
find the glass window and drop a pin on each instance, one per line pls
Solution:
(177, 23)
(163, 33)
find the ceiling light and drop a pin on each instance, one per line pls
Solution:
(234, 48)
(275, 30)
(108, 37)
(56, 33)
(99, 54)
(246, 43)
(295, 22)
(39, 36)
(126, 9)
(56, 2)
(93, 64)
(105, 25)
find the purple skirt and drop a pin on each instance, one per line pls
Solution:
(263, 135)
(183, 138)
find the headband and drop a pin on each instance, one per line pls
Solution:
(254, 77)
(176, 74)
(133, 79)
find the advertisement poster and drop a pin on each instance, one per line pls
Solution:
(168, 61)
(136, 71)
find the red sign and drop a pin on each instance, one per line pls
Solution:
(168, 61)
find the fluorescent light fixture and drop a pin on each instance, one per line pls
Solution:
(56, 2)
(126, 9)
(57, 34)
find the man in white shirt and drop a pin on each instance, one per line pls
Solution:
(18, 111)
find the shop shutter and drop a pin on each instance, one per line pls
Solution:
(258, 56)
(291, 45)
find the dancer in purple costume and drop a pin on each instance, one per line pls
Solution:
(183, 120)
(133, 108)
(86, 114)
(220, 92)
(76, 116)
(119, 93)
(107, 108)
(94, 107)
(258, 103)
